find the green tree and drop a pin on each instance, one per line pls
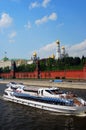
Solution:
(6, 69)
(42, 65)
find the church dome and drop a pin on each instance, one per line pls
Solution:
(34, 54)
(57, 42)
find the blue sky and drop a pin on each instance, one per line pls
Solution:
(34, 25)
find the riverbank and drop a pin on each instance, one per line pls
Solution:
(48, 83)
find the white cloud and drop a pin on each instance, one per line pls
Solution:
(76, 50)
(42, 20)
(36, 4)
(47, 50)
(45, 19)
(11, 40)
(28, 25)
(5, 20)
(45, 3)
(12, 35)
(60, 25)
(53, 16)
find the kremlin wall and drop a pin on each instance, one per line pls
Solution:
(61, 74)
(68, 74)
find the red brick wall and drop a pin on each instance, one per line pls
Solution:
(73, 74)
(26, 74)
(68, 74)
(6, 75)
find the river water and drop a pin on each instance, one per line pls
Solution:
(19, 117)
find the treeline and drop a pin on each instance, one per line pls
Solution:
(4, 70)
(49, 64)
(21, 68)
(26, 68)
(66, 63)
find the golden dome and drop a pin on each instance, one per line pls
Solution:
(63, 47)
(53, 56)
(57, 42)
(34, 54)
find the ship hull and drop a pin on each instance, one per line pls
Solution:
(68, 110)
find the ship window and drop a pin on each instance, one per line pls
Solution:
(5, 93)
(56, 92)
(49, 91)
(13, 83)
(13, 88)
(41, 92)
(27, 90)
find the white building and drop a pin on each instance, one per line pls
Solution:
(62, 51)
(58, 54)
(4, 64)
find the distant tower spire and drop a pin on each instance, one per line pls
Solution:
(58, 55)
(63, 51)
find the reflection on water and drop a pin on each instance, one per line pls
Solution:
(69, 124)
(19, 117)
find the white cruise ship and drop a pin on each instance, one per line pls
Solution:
(51, 99)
